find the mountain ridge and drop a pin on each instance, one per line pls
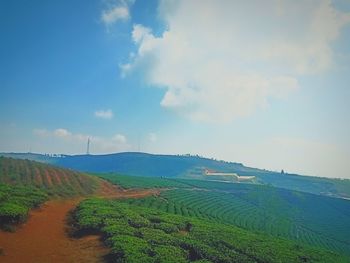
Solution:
(188, 166)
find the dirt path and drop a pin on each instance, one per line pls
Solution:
(43, 238)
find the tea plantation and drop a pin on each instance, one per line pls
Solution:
(139, 234)
(305, 218)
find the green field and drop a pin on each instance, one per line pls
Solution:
(139, 234)
(306, 218)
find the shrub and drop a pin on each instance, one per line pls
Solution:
(170, 254)
(15, 203)
(130, 249)
(133, 238)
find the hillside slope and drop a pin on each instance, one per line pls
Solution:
(143, 164)
(305, 218)
(53, 180)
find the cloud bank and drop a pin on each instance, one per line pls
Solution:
(221, 60)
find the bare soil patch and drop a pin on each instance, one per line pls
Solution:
(44, 239)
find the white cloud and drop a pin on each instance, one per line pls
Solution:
(119, 138)
(65, 139)
(113, 15)
(139, 32)
(104, 114)
(220, 60)
(119, 11)
(63, 133)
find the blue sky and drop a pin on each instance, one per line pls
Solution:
(265, 83)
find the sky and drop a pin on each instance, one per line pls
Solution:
(265, 83)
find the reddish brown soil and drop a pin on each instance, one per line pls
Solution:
(47, 176)
(65, 178)
(38, 178)
(44, 239)
(108, 190)
(56, 177)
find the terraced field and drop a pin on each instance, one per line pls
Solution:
(309, 219)
(55, 181)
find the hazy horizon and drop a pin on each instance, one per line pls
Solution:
(240, 81)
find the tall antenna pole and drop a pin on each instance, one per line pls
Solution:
(88, 146)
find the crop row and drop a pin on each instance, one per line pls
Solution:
(54, 181)
(140, 234)
(247, 212)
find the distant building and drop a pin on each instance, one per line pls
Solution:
(209, 172)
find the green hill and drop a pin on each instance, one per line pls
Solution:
(185, 166)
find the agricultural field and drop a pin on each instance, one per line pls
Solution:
(128, 182)
(56, 182)
(15, 203)
(305, 218)
(139, 234)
